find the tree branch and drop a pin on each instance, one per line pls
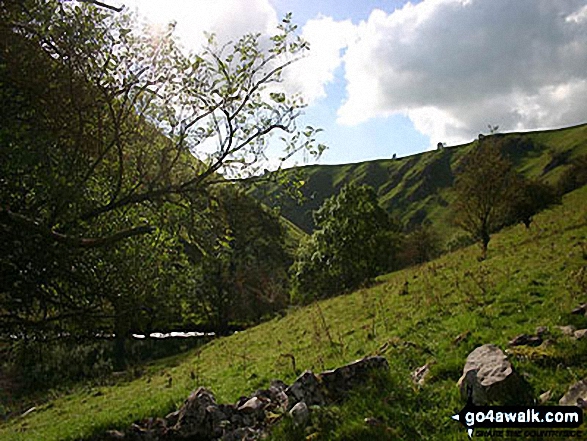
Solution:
(77, 242)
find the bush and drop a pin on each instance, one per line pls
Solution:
(355, 240)
(574, 176)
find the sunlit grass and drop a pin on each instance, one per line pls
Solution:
(453, 304)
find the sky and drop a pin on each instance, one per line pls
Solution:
(387, 77)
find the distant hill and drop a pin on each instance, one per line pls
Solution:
(416, 188)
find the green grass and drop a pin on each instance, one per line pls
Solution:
(531, 278)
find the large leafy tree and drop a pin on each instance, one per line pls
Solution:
(111, 139)
(241, 269)
(355, 240)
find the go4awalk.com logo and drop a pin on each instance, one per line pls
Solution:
(514, 421)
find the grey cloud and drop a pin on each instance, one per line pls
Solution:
(478, 61)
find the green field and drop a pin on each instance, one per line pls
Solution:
(531, 278)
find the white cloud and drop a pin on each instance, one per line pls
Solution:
(454, 66)
(327, 38)
(228, 19)
(578, 16)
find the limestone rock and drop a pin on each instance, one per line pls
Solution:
(300, 414)
(201, 418)
(580, 334)
(541, 331)
(567, 330)
(543, 398)
(576, 395)
(580, 310)
(253, 405)
(489, 378)
(194, 419)
(338, 382)
(420, 374)
(306, 388)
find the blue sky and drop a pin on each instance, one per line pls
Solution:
(391, 77)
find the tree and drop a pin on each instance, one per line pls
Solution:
(241, 270)
(104, 137)
(483, 189)
(421, 245)
(355, 240)
(529, 198)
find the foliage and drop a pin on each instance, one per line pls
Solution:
(531, 196)
(419, 246)
(355, 240)
(483, 188)
(111, 140)
(421, 183)
(241, 272)
(444, 317)
(574, 176)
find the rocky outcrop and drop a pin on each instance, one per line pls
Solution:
(202, 418)
(489, 378)
(576, 395)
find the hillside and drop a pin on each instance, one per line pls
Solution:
(417, 188)
(435, 313)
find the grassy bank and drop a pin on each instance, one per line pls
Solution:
(435, 313)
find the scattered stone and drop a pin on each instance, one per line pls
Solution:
(420, 374)
(201, 418)
(580, 334)
(580, 310)
(489, 378)
(543, 398)
(526, 340)
(300, 414)
(567, 330)
(576, 395)
(541, 331)
(253, 405)
(114, 435)
(461, 337)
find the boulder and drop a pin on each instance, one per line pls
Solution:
(253, 405)
(576, 395)
(567, 330)
(489, 378)
(306, 388)
(338, 382)
(196, 416)
(300, 414)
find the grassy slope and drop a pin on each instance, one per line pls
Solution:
(416, 187)
(530, 278)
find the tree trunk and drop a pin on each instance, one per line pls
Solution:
(484, 244)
